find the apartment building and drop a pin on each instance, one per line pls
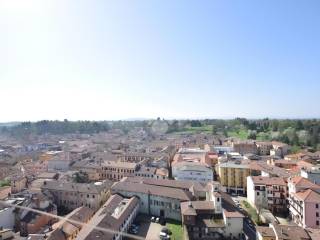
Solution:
(233, 176)
(304, 208)
(116, 215)
(304, 202)
(268, 193)
(73, 195)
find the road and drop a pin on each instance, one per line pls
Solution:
(248, 227)
(250, 232)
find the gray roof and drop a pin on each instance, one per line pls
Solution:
(161, 191)
(104, 218)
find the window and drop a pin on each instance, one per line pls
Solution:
(317, 205)
(317, 214)
(258, 193)
(317, 222)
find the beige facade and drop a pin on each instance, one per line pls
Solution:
(115, 171)
(18, 184)
(233, 176)
(73, 195)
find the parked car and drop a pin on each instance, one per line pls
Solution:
(157, 220)
(133, 231)
(166, 231)
(153, 219)
(164, 236)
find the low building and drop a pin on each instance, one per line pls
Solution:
(157, 200)
(267, 193)
(18, 183)
(208, 220)
(69, 227)
(192, 164)
(282, 163)
(115, 216)
(298, 183)
(151, 172)
(282, 232)
(73, 195)
(32, 222)
(233, 176)
(5, 192)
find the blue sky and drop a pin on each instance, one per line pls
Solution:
(119, 59)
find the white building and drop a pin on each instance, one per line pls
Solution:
(192, 171)
(154, 199)
(192, 164)
(267, 193)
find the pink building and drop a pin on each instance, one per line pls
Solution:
(304, 202)
(305, 208)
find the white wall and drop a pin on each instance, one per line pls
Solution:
(173, 213)
(197, 173)
(234, 226)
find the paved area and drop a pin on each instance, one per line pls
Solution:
(154, 230)
(144, 225)
(147, 229)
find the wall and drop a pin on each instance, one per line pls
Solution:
(7, 218)
(234, 227)
(172, 212)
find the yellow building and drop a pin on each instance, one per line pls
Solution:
(233, 176)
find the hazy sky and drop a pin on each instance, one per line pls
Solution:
(117, 59)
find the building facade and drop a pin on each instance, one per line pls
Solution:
(73, 195)
(267, 193)
(233, 176)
